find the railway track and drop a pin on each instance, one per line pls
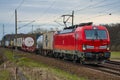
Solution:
(111, 67)
(113, 62)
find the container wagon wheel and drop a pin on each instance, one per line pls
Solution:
(37, 52)
(45, 53)
(56, 55)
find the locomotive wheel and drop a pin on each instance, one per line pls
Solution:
(64, 57)
(75, 59)
(82, 61)
(60, 56)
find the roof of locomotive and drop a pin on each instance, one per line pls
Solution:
(72, 28)
(78, 25)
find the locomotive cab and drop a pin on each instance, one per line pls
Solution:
(93, 43)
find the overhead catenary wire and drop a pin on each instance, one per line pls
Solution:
(26, 24)
(89, 6)
(106, 5)
(12, 16)
(93, 5)
(96, 5)
(99, 15)
(101, 12)
(81, 9)
(20, 4)
(52, 4)
(17, 8)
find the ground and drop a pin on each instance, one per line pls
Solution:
(28, 66)
(115, 55)
(19, 67)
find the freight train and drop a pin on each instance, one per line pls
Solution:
(84, 43)
(26, 42)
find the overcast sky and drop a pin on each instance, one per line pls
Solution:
(44, 13)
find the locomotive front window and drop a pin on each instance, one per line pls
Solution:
(89, 34)
(102, 34)
(95, 34)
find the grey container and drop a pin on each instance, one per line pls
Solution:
(48, 40)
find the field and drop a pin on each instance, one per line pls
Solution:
(115, 56)
(4, 75)
(31, 70)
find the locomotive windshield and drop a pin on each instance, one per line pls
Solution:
(95, 34)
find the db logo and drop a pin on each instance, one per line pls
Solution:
(96, 47)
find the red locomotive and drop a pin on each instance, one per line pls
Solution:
(84, 42)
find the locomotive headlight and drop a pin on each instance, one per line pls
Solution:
(84, 47)
(108, 48)
(105, 47)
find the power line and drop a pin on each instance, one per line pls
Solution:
(92, 7)
(51, 5)
(45, 10)
(89, 6)
(110, 13)
(98, 6)
(11, 18)
(58, 23)
(106, 5)
(81, 9)
(16, 9)
(95, 16)
(41, 16)
(20, 4)
(24, 21)
(26, 24)
(104, 11)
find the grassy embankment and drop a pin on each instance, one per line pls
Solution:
(115, 55)
(23, 61)
(4, 75)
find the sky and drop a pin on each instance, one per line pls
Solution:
(47, 13)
